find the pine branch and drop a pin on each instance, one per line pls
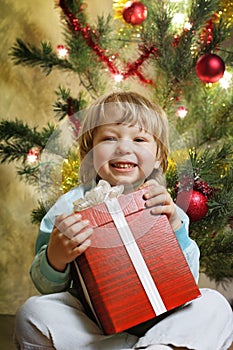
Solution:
(211, 163)
(201, 11)
(38, 213)
(30, 174)
(215, 248)
(29, 55)
(16, 138)
(219, 34)
(76, 7)
(66, 105)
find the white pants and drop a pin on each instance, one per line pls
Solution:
(58, 321)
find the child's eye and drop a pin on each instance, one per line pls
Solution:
(139, 139)
(109, 138)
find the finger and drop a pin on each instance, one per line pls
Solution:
(63, 222)
(160, 209)
(80, 238)
(154, 190)
(159, 199)
(81, 249)
(75, 229)
(167, 209)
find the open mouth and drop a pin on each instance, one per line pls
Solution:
(123, 165)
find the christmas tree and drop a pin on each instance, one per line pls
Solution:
(181, 54)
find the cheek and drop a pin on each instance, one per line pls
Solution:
(147, 160)
(147, 155)
(100, 156)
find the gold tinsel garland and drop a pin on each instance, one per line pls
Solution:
(70, 172)
(118, 6)
(226, 10)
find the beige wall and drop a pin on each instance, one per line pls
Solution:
(28, 95)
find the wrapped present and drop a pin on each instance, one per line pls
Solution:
(134, 269)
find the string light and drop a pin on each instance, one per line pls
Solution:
(187, 25)
(226, 80)
(181, 112)
(178, 20)
(33, 155)
(118, 78)
(62, 51)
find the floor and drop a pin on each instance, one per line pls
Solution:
(6, 333)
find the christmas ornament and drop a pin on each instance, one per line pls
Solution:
(210, 68)
(33, 155)
(193, 203)
(134, 12)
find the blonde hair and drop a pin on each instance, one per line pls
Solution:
(134, 109)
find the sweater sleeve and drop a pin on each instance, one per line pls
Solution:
(46, 279)
(188, 246)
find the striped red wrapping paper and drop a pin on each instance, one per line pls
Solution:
(115, 290)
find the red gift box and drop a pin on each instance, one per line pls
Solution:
(132, 282)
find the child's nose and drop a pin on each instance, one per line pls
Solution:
(123, 146)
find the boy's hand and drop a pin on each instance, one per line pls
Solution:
(68, 240)
(161, 202)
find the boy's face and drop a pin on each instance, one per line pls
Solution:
(124, 154)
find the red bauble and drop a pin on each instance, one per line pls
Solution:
(194, 203)
(134, 12)
(210, 68)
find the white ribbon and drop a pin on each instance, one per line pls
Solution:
(135, 256)
(86, 294)
(97, 195)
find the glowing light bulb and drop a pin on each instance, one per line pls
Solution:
(33, 155)
(181, 112)
(187, 25)
(62, 51)
(226, 80)
(118, 78)
(178, 19)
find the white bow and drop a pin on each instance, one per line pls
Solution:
(99, 194)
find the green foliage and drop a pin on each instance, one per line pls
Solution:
(212, 164)
(214, 232)
(207, 129)
(66, 105)
(16, 138)
(29, 55)
(38, 213)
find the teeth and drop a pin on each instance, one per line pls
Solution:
(123, 165)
